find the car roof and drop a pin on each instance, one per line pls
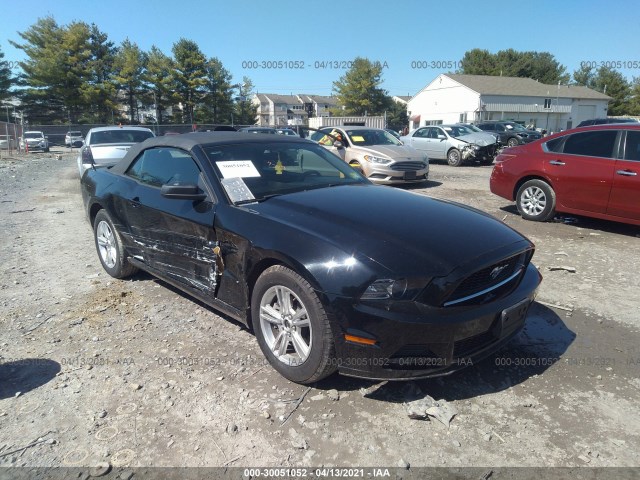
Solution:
(352, 127)
(188, 141)
(118, 127)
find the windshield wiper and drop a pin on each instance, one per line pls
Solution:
(257, 200)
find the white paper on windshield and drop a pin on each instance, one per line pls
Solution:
(237, 189)
(237, 168)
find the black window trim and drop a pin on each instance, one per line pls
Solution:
(211, 198)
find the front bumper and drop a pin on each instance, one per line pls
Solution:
(418, 341)
(396, 173)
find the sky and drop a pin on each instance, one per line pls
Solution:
(293, 46)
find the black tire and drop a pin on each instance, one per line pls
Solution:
(112, 255)
(454, 157)
(280, 282)
(536, 201)
(512, 142)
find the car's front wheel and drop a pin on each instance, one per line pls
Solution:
(291, 326)
(454, 158)
(512, 142)
(109, 246)
(536, 200)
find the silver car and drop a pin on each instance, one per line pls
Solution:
(105, 146)
(34, 140)
(455, 143)
(380, 156)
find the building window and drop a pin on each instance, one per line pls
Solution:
(463, 117)
(547, 103)
(433, 122)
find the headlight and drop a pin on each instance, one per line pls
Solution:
(523, 135)
(372, 159)
(385, 288)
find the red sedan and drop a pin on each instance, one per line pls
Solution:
(592, 171)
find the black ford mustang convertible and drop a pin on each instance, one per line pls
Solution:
(330, 271)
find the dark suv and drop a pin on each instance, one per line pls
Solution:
(509, 133)
(603, 121)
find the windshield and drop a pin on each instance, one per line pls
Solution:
(474, 128)
(458, 130)
(252, 172)
(32, 135)
(515, 126)
(365, 138)
(120, 135)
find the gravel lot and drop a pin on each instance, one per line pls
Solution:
(135, 373)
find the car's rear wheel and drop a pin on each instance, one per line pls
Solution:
(512, 142)
(536, 200)
(291, 326)
(110, 249)
(454, 158)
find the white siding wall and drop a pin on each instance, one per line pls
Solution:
(443, 100)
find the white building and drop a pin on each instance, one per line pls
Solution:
(282, 110)
(452, 98)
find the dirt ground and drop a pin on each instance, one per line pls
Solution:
(98, 371)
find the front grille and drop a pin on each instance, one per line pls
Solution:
(488, 283)
(408, 166)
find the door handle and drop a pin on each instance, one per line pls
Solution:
(135, 202)
(626, 173)
(556, 162)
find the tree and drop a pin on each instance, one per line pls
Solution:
(6, 79)
(397, 117)
(479, 62)
(190, 65)
(583, 76)
(610, 82)
(541, 66)
(129, 65)
(67, 73)
(358, 90)
(159, 77)
(217, 101)
(245, 112)
(634, 97)
(100, 92)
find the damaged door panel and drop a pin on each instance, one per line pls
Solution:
(174, 235)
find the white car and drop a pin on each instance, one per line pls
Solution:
(105, 146)
(34, 140)
(73, 139)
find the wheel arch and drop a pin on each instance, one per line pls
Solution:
(525, 179)
(93, 211)
(262, 265)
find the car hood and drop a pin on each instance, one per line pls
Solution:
(479, 138)
(396, 152)
(405, 232)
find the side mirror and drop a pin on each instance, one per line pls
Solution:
(183, 192)
(442, 137)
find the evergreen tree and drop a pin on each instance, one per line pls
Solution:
(129, 65)
(159, 77)
(217, 101)
(245, 112)
(190, 65)
(358, 90)
(6, 79)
